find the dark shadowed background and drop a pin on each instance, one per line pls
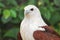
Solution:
(11, 14)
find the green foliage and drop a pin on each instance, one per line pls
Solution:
(6, 14)
(55, 18)
(2, 5)
(12, 33)
(46, 13)
(31, 1)
(11, 2)
(0, 11)
(57, 2)
(21, 12)
(12, 12)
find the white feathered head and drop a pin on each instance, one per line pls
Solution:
(31, 11)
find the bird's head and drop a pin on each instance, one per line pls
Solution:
(31, 10)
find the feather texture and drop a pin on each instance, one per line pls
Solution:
(49, 34)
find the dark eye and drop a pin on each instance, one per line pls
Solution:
(31, 9)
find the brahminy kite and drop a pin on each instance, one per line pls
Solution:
(33, 26)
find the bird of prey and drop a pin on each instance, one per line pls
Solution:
(33, 26)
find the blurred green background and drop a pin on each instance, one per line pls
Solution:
(12, 12)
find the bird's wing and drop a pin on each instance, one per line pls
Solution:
(19, 36)
(49, 34)
(51, 30)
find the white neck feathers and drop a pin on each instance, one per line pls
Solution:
(36, 19)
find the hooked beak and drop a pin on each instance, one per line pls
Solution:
(26, 12)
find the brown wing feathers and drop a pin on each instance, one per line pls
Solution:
(19, 36)
(39, 35)
(49, 34)
(51, 30)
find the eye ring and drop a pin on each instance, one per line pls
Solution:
(31, 9)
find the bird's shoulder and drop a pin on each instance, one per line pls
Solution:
(48, 34)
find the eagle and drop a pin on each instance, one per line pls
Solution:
(33, 26)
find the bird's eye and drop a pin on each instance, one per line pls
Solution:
(31, 9)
